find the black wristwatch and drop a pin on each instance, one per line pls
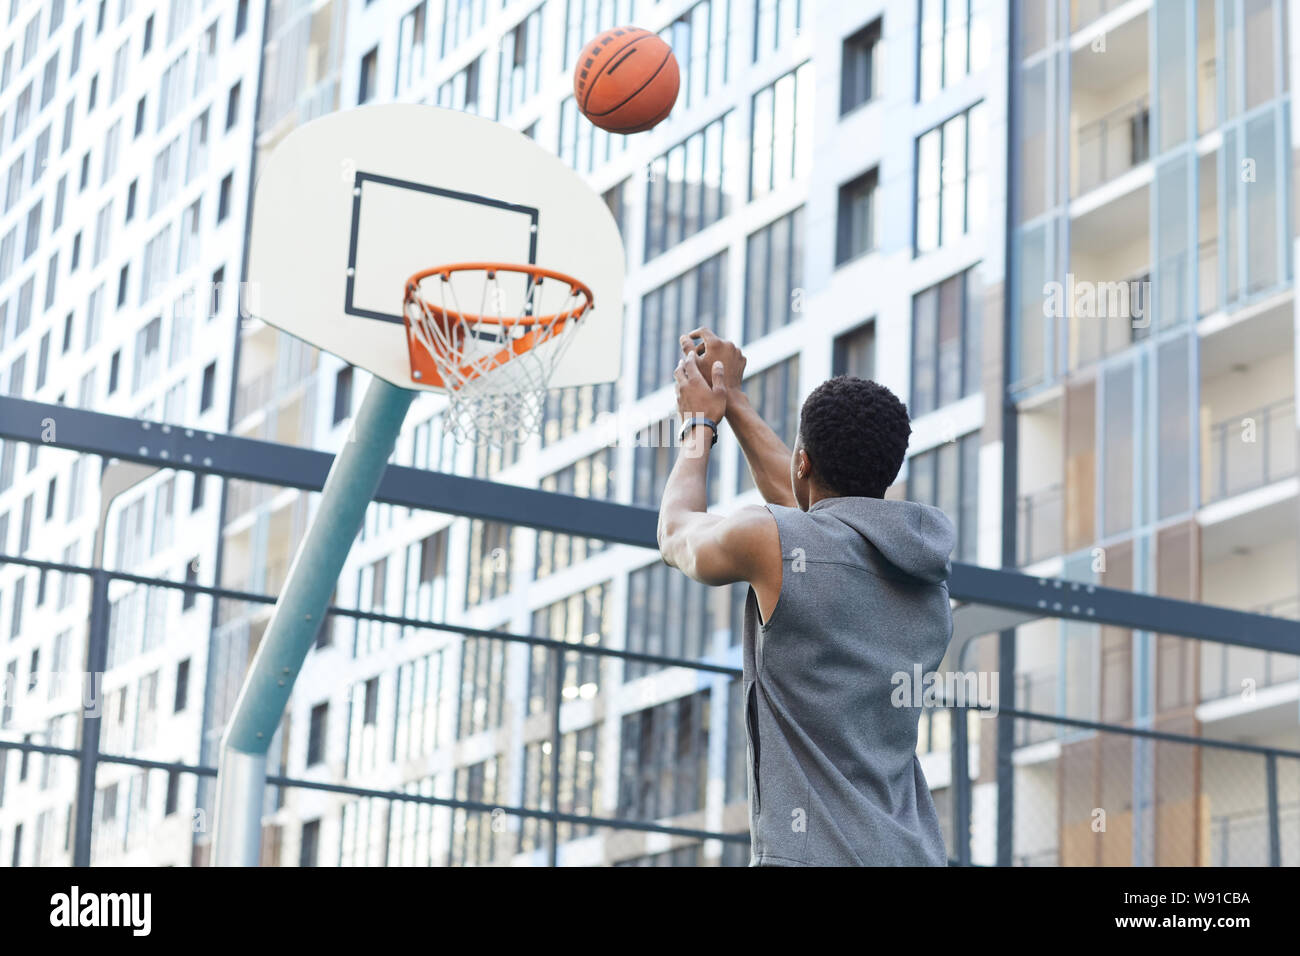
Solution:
(692, 422)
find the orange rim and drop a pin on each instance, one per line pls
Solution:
(426, 370)
(536, 272)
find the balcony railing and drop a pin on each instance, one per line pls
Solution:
(1173, 291)
(1238, 839)
(1251, 450)
(1227, 671)
(1036, 692)
(254, 395)
(1113, 144)
(1039, 522)
(1085, 11)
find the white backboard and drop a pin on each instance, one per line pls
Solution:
(350, 205)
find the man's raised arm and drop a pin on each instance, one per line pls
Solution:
(766, 455)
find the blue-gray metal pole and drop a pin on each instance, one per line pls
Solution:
(961, 796)
(1274, 814)
(91, 719)
(348, 491)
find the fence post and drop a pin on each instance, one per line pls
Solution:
(91, 710)
(558, 689)
(960, 786)
(1274, 816)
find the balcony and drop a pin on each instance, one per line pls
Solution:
(1036, 692)
(1241, 839)
(1226, 669)
(1250, 450)
(1083, 12)
(1039, 522)
(1113, 144)
(254, 396)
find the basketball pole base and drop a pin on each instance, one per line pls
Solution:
(349, 488)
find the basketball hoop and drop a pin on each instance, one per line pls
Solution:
(495, 363)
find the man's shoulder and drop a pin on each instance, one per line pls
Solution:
(752, 525)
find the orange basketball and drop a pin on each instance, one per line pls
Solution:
(626, 80)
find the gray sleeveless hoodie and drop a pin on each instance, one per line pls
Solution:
(833, 775)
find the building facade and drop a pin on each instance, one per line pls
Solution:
(917, 191)
(1153, 386)
(127, 133)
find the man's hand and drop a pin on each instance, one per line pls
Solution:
(696, 395)
(711, 349)
(765, 453)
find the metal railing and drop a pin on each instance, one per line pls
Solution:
(1256, 831)
(1230, 671)
(1251, 450)
(1113, 144)
(1041, 524)
(1083, 12)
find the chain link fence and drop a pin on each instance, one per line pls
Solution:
(447, 749)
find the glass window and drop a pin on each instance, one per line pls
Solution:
(780, 149)
(694, 299)
(472, 831)
(948, 478)
(774, 270)
(856, 221)
(461, 92)
(664, 759)
(584, 19)
(700, 41)
(859, 68)
(666, 216)
(776, 22)
(954, 43)
(945, 344)
(774, 393)
(366, 84)
(582, 618)
(951, 188)
(519, 62)
(488, 576)
(670, 615)
(579, 786)
(1118, 440)
(589, 477)
(854, 352)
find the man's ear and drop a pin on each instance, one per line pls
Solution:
(802, 466)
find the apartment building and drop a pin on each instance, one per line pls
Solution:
(833, 190)
(764, 207)
(1156, 409)
(126, 137)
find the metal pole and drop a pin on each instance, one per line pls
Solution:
(348, 491)
(557, 679)
(960, 785)
(91, 718)
(1274, 817)
(115, 479)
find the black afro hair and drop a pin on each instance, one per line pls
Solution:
(855, 432)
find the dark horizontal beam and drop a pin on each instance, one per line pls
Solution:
(290, 466)
(1053, 597)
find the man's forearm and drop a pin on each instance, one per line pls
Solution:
(767, 456)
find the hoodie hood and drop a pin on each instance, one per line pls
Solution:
(915, 538)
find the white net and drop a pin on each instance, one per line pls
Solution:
(493, 335)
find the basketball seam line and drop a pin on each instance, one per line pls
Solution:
(631, 96)
(592, 83)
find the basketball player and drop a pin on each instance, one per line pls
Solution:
(847, 590)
